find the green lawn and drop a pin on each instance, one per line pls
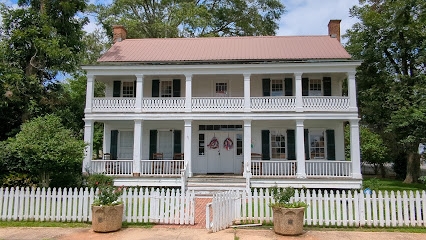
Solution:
(397, 185)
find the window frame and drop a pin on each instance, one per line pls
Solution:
(284, 133)
(119, 150)
(203, 143)
(320, 84)
(325, 143)
(160, 95)
(282, 90)
(132, 84)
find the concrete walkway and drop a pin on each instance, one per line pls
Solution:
(18, 233)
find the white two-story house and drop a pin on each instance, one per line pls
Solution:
(258, 111)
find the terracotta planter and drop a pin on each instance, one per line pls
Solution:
(288, 221)
(107, 218)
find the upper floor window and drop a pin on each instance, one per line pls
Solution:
(166, 88)
(221, 89)
(315, 87)
(317, 144)
(278, 144)
(277, 87)
(128, 89)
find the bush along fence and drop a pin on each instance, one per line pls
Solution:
(167, 206)
(325, 208)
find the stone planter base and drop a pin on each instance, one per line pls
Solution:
(288, 221)
(107, 218)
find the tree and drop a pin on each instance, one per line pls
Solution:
(45, 150)
(390, 39)
(373, 149)
(189, 18)
(38, 40)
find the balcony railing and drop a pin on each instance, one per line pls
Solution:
(218, 104)
(273, 103)
(112, 167)
(163, 104)
(273, 168)
(113, 104)
(221, 104)
(162, 167)
(329, 103)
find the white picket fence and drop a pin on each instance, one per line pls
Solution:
(167, 206)
(325, 208)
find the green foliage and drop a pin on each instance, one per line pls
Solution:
(17, 180)
(108, 195)
(422, 179)
(372, 184)
(46, 150)
(391, 81)
(282, 197)
(188, 18)
(94, 180)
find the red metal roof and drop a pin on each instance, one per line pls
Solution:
(225, 49)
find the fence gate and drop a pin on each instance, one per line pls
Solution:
(226, 207)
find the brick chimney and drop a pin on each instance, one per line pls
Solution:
(334, 28)
(119, 33)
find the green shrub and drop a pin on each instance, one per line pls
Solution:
(422, 179)
(18, 180)
(96, 180)
(372, 184)
(282, 197)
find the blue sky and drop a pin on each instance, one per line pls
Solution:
(303, 17)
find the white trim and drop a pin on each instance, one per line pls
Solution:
(286, 141)
(325, 143)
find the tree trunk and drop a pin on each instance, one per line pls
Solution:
(382, 170)
(413, 168)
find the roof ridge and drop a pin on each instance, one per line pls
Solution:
(222, 38)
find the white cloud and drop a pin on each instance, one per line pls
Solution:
(311, 17)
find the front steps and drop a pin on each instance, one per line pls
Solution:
(206, 186)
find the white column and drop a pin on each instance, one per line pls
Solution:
(107, 138)
(300, 149)
(90, 92)
(188, 146)
(88, 139)
(352, 91)
(137, 147)
(299, 98)
(247, 148)
(139, 92)
(355, 150)
(188, 93)
(247, 92)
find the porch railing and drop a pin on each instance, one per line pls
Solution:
(223, 104)
(162, 167)
(273, 168)
(112, 167)
(113, 104)
(315, 168)
(329, 103)
(163, 104)
(273, 103)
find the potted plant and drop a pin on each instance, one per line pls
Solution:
(288, 216)
(107, 211)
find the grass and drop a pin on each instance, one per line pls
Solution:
(4, 224)
(397, 185)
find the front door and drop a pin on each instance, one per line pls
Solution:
(220, 159)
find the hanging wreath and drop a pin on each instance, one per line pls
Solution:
(228, 144)
(214, 143)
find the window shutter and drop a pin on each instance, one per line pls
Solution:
(266, 84)
(291, 145)
(265, 145)
(176, 87)
(152, 142)
(305, 86)
(331, 150)
(134, 89)
(288, 86)
(326, 82)
(155, 88)
(113, 146)
(307, 155)
(177, 141)
(116, 92)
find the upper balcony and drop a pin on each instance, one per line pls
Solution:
(223, 93)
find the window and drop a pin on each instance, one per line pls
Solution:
(317, 144)
(221, 89)
(201, 144)
(128, 89)
(277, 88)
(220, 127)
(239, 144)
(315, 87)
(166, 89)
(278, 144)
(125, 150)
